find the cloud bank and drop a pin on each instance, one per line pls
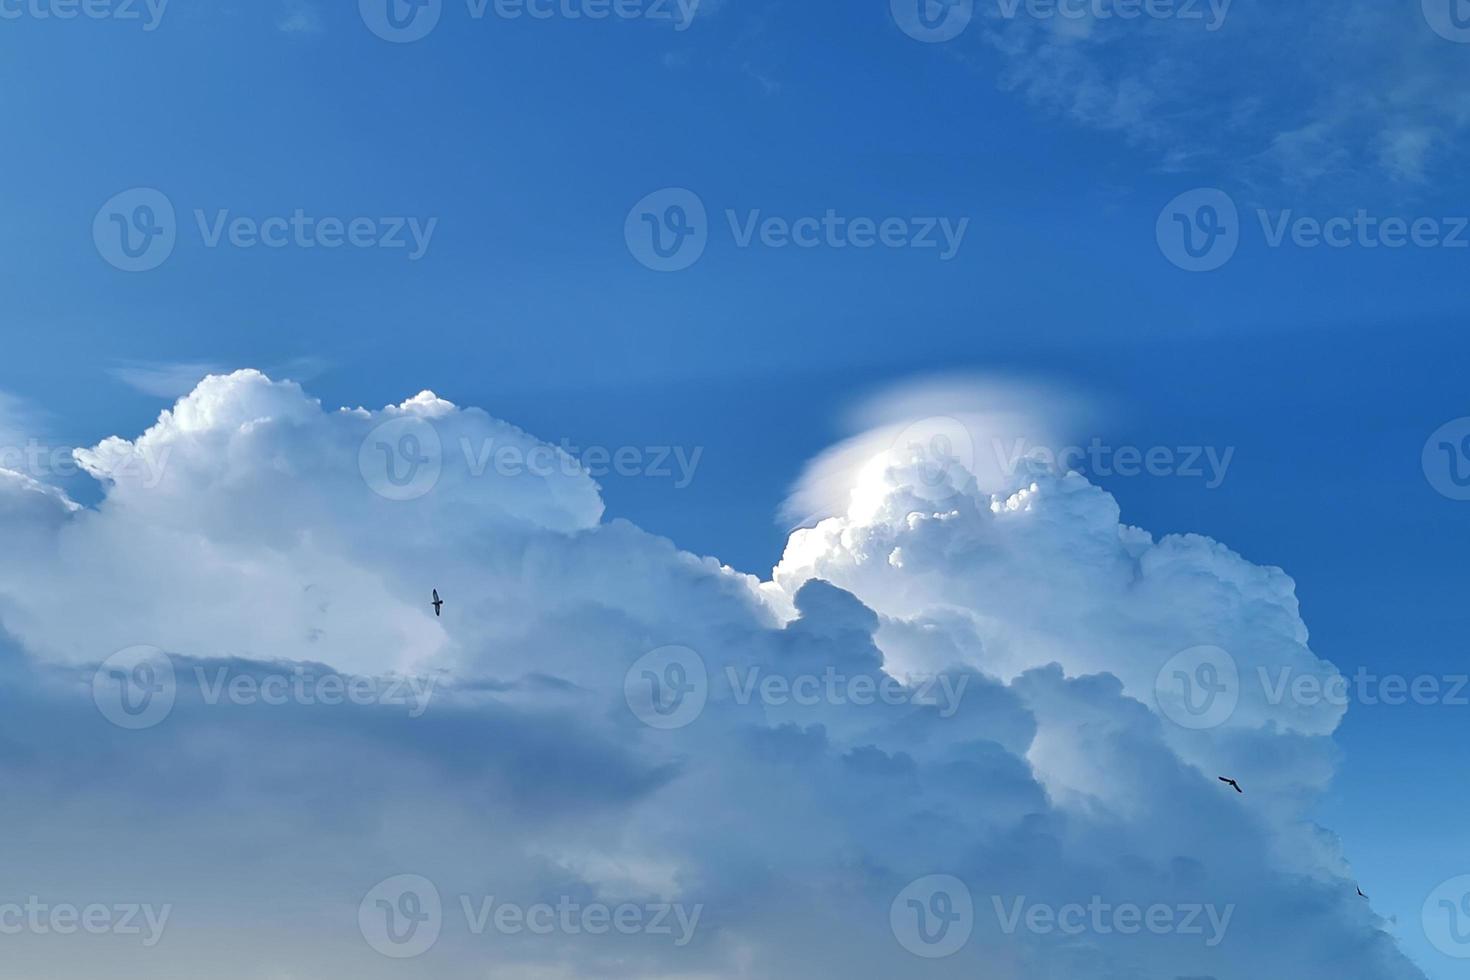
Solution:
(934, 743)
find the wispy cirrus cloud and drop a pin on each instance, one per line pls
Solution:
(1296, 93)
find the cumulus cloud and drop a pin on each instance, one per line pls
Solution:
(938, 715)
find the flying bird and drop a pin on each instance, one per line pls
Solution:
(1360, 892)
(438, 603)
(1232, 783)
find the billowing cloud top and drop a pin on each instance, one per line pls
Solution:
(960, 732)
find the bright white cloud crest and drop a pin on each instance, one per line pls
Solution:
(940, 715)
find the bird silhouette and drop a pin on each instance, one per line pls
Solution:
(1360, 892)
(1232, 783)
(438, 603)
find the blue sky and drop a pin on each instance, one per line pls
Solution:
(1059, 142)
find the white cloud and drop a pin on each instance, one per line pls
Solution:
(793, 827)
(1290, 92)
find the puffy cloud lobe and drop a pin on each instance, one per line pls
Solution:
(793, 825)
